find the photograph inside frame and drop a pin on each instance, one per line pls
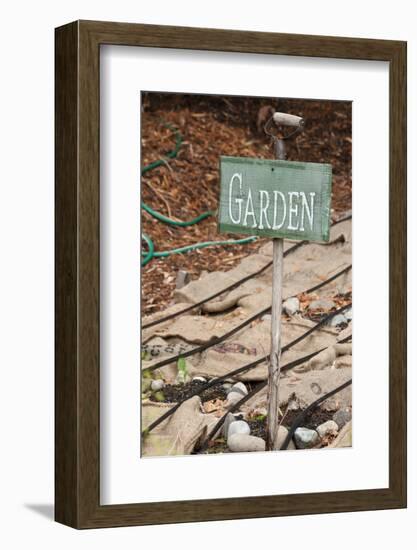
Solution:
(246, 275)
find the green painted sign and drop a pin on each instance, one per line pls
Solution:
(275, 198)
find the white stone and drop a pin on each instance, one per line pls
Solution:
(199, 379)
(342, 416)
(291, 305)
(232, 398)
(327, 428)
(337, 320)
(227, 421)
(282, 435)
(238, 427)
(183, 278)
(157, 385)
(305, 438)
(240, 387)
(242, 443)
(293, 405)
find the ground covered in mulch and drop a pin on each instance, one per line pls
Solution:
(186, 186)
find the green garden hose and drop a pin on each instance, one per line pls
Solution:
(147, 256)
(169, 221)
(160, 162)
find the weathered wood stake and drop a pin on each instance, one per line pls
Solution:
(274, 369)
(280, 200)
(274, 363)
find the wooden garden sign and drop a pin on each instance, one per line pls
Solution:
(278, 199)
(275, 198)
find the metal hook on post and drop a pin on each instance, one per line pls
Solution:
(283, 119)
(274, 370)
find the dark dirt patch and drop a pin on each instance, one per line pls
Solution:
(258, 428)
(177, 393)
(217, 446)
(311, 420)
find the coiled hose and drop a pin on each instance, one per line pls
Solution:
(150, 253)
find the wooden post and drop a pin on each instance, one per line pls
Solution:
(274, 363)
(274, 368)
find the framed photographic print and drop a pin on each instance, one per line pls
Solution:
(225, 200)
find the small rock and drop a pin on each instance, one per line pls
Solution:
(323, 305)
(342, 417)
(282, 435)
(227, 386)
(183, 278)
(348, 314)
(327, 428)
(291, 305)
(157, 385)
(267, 317)
(240, 387)
(199, 379)
(337, 320)
(228, 420)
(305, 438)
(293, 405)
(232, 398)
(242, 443)
(238, 427)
